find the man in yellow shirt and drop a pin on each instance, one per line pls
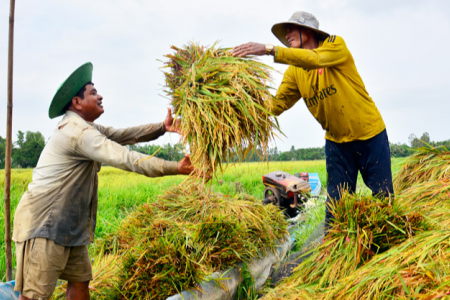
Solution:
(322, 72)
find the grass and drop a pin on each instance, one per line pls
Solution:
(314, 214)
(120, 192)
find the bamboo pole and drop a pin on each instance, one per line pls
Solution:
(9, 145)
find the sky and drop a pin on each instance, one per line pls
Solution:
(400, 48)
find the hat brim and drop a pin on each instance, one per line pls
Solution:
(69, 89)
(280, 32)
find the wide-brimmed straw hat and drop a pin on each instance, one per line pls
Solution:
(69, 88)
(302, 19)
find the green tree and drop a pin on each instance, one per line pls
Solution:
(167, 151)
(400, 150)
(2, 152)
(20, 139)
(30, 146)
(441, 144)
(274, 154)
(425, 137)
(411, 138)
(422, 142)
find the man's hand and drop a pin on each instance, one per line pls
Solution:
(184, 166)
(249, 49)
(170, 124)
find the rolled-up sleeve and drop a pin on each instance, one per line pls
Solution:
(94, 145)
(132, 135)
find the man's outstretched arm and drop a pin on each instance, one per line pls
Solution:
(142, 133)
(95, 146)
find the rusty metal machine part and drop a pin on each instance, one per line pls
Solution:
(285, 190)
(286, 183)
(272, 195)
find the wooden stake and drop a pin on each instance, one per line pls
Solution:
(9, 145)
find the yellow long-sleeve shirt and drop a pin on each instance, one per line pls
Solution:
(327, 80)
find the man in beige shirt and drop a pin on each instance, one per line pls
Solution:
(55, 219)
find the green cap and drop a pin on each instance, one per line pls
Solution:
(69, 89)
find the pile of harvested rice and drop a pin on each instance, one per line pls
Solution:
(183, 237)
(423, 166)
(416, 269)
(431, 199)
(394, 248)
(176, 242)
(224, 103)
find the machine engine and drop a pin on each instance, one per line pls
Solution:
(287, 191)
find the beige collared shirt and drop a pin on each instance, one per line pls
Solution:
(61, 201)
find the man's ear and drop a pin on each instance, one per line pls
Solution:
(76, 103)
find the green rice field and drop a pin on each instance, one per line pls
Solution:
(120, 191)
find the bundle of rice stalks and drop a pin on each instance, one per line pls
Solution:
(376, 224)
(417, 269)
(224, 103)
(178, 241)
(364, 227)
(427, 164)
(106, 279)
(431, 199)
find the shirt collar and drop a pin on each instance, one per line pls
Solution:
(72, 115)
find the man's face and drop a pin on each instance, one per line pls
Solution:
(91, 105)
(293, 36)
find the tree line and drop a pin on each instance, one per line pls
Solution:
(28, 147)
(25, 151)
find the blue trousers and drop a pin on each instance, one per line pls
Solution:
(371, 157)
